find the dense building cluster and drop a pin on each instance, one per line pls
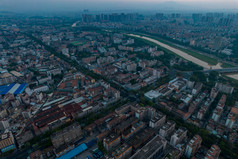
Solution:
(70, 90)
(201, 30)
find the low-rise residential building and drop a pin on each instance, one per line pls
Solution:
(122, 152)
(133, 130)
(7, 142)
(167, 128)
(232, 117)
(178, 136)
(111, 141)
(193, 146)
(140, 138)
(6, 78)
(213, 152)
(219, 109)
(153, 149)
(157, 120)
(68, 135)
(42, 88)
(224, 88)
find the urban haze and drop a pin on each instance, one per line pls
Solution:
(118, 79)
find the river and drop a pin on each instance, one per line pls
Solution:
(186, 56)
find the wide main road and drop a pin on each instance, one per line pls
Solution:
(183, 54)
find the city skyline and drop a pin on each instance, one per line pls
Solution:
(117, 79)
(99, 5)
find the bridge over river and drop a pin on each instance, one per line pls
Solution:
(223, 70)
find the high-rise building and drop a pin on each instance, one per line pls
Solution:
(102, 18)
(175, 15)
(115, 17)
(159, 15)
(193, 146)
(87, 18)
(196, 17)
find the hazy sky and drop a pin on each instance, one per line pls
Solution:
(75, 5)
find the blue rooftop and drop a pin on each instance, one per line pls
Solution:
(20, 89)
(74, 152)
(14, 88)
(7, 89)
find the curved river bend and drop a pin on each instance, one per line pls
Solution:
(186, 56)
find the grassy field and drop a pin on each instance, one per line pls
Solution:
(76, 43)
(154, 44)
(233, 81)
(158, 46)
(205, 58)
(226, 65)
(202, 57)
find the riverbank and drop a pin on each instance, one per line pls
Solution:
(180, 53)
(185, 55)
(210, 59)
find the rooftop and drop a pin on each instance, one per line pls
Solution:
(15, 73)
(195, 140)
(234, 110)
(5, 75)
(121, 149)
(142, 136)
(180, 131)
(134, 128)
(213, 152)
(74, 152)
(5, 136)
(152, 94)
(167, 125)
(13, 88)
(111, 138)
(126, 123)
(157, 117)
(65, 130)
(150, 148)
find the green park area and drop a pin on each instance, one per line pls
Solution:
(226, 65)
(203, 57)
(76, 43)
